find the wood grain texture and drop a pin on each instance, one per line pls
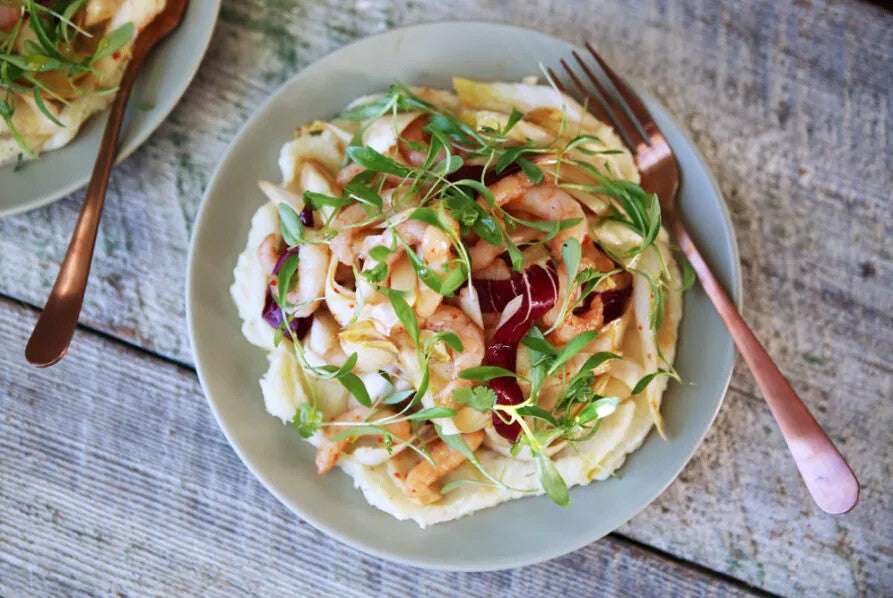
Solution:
(792, 105)
(122, 483)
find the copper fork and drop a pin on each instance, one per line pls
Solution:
(54, 329)
(824, 470)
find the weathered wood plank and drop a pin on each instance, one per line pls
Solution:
(120, 482)
(791, 104)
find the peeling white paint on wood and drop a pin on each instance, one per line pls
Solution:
(792, 105)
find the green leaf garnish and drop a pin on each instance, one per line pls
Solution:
(551, 481)
(597, 410)
(486, 372)
(538, 412)
(114, 41)
(574, 346)
(539, 344)
(404, 313)
(290, 225)
(372, 160)
(643, 383)
(355, 386)
(380, 253)
(285, 278)
(533, 172)
(318, 200)
(307, 420)
(514, 118)
(481, 398)
(431, 413)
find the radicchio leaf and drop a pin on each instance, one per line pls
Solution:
(307, 216)
(494, 295)
(613, 303)
(533, 293)
(272, 313)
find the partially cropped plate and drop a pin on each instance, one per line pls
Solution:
(162, 82)
(516, 533)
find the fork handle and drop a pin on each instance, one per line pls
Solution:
(55, 327)
(824, 470)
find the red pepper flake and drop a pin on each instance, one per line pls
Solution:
(397, 475)
(117, 55)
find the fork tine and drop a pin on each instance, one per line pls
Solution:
(626, 121)
(598, 100)
(629, 101)
(554, 78)
(596, 105)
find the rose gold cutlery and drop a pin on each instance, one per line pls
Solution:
(824, 470)
(55, 327)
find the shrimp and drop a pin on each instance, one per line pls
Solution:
(452, 319)
(415, 135)
(313, 262)
(549, 203)
(592, 318)
(435, 249)
(343, 244)
(513, 186)
(545, 201)
(423, 481)
(268, 253)
(497, 270)
(329, 451)
(346, 174)
(9, 16)
(483, 254)
(412, 135)
(433, 243)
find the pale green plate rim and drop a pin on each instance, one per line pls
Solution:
(221, 360)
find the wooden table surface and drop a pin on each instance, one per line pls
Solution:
(114, 477)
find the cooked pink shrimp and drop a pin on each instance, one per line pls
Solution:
(268, 253)
(329, 451)
(549, 203)
(452, 319)
(434, 244)
(311, 281)
(592, 318)
(9, 16)
(496, 270)
(483, 254)
(423, 481)
(346, 174)
(343, 244)
(414, 134)
(545, 202)
(313, 263)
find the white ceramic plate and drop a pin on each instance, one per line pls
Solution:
(516, 533)
(162, 82)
